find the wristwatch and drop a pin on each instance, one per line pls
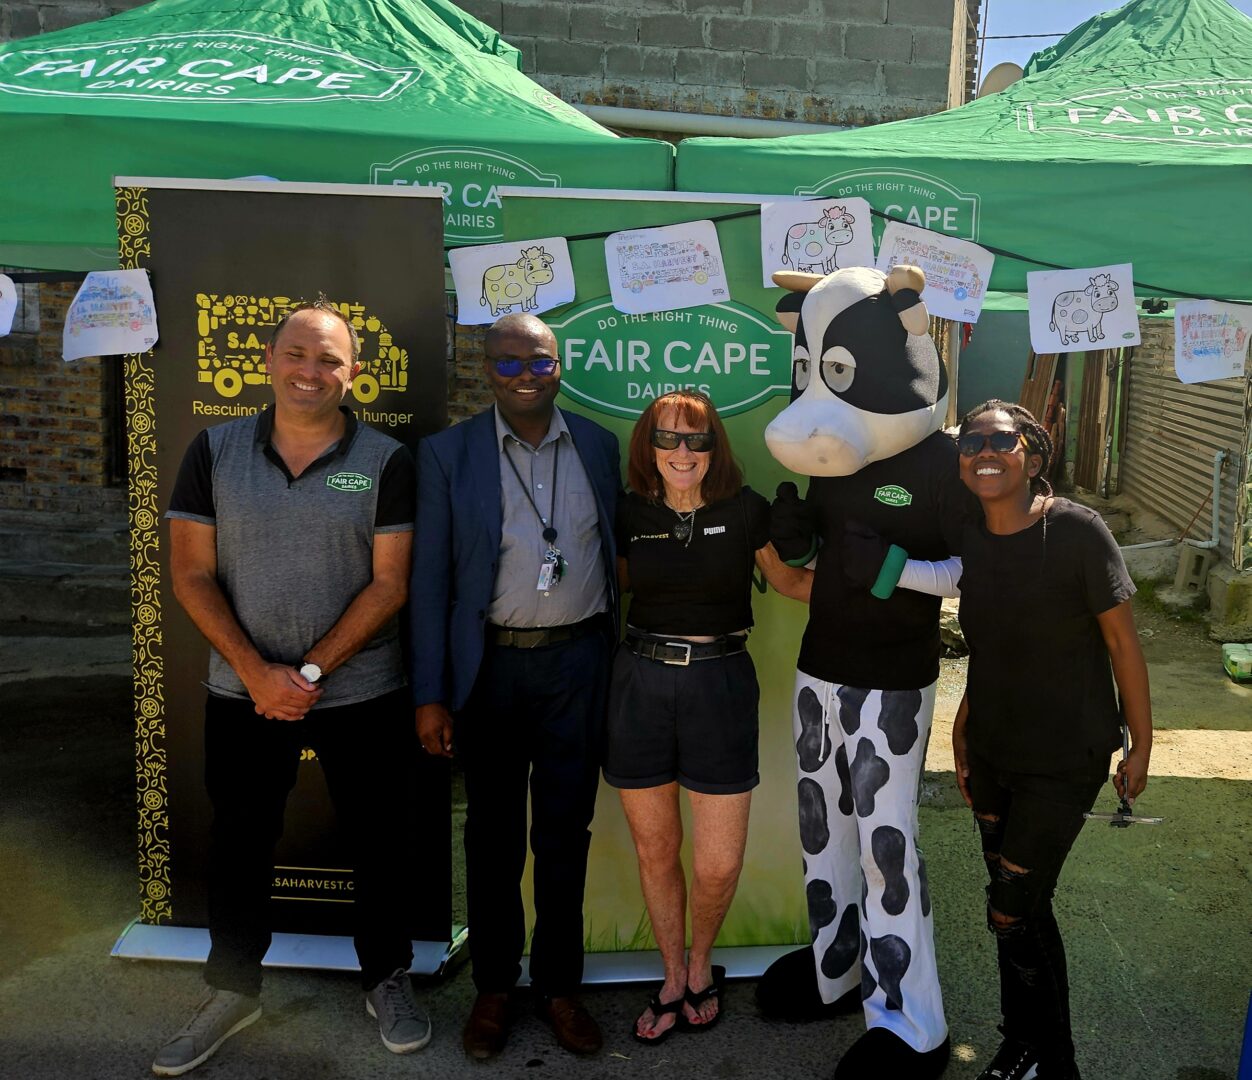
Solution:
(311, 672)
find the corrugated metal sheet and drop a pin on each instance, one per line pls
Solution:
(1172, 433)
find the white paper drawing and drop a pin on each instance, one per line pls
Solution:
(1081, 310)
(662, 269)
(815, 236)
(1210, 340)
(957, 272)
(113, 314)
(8, 303)
(522, 276)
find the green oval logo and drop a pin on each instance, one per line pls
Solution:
(349, 481)
(618, 364)
(893, 495)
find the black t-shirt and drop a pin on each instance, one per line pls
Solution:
(916, 500)
(1040, 686)
(696, 588)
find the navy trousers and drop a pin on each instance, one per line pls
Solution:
(366, 751)
(534, 718)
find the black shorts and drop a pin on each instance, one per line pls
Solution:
(695, 724)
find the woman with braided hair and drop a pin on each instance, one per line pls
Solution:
(1043, 589)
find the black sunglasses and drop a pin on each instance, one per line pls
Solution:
(1001, 442)
(698, 442)
(509, 367)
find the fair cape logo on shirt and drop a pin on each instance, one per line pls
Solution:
(893, 495)
(349, 481)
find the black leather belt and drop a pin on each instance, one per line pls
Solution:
(539, 636)
(667, 651)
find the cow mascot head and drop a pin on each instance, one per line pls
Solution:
(866, 381)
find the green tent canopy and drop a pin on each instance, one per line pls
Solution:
(337, 91)
(1128, 141)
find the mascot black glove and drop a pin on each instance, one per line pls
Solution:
(869, 561)
(792, 526)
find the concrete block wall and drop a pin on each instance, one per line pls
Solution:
(55, 421)
(26, 18)
(819, 61)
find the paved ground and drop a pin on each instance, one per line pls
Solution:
(1157, 921)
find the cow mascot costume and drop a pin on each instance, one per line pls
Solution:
(869, 397)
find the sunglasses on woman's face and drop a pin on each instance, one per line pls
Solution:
(1001, 442)
(509, 367)
(698, 442)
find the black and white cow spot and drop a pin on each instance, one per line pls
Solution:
(814, 832)
(813, 745)
(845, 780)
(822, 906)
(923, 884)
(897, 718)
(870, 774)
(868, 985)
(891, 956)
(887, 844)
(841, 953)
(851, 699)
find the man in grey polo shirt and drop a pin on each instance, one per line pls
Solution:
(291, 537)
(513, 597)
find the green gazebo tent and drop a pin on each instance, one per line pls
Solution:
(349, 91)
(1129, 140)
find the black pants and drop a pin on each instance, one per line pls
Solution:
(1037, 820)
(366, 751)
(535, 716)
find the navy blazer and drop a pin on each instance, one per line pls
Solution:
(456, 546)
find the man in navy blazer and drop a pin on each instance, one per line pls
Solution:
(513, 606)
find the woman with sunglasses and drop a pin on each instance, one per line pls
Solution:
(683, 697)
(1045, 607)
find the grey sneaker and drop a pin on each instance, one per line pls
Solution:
(219, 1014)
(403, 1025)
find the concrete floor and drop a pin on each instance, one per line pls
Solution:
(1157, 922)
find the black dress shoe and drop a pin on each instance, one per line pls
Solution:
(487, 1028)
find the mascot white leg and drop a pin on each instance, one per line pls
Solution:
(860, 755)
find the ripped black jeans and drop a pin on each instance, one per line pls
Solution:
(1028, 824)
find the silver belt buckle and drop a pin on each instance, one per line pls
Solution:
(686, 660)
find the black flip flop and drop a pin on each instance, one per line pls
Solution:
(696, 998)
(660, 1008)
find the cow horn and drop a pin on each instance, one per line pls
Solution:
(906, 277)
(793, 281)
(903, 284)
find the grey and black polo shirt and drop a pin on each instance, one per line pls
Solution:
(293, 552)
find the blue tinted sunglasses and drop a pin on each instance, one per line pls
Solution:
(509, 367)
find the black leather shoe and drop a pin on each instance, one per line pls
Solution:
(574, 1027)
(487, 1028)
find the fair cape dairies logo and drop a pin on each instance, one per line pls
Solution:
(200, 65)
(1211, 112)
(618, 364)
(349, 481)
(914, 197)
(893, 495)
(469, 178)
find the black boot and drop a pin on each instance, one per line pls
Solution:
(788, 991)
(881, 1053)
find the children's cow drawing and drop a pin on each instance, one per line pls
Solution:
(813, 246)
(1082, 311)
(869, 397)
(516, 283)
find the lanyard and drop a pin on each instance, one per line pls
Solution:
(549, 532)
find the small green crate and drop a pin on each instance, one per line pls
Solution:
(1237, 660)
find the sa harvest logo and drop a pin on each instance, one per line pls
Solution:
(349, 481)
(893, 495)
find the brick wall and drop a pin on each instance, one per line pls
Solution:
(819, 61)
(55, 421)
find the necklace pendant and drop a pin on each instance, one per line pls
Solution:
(681, 530)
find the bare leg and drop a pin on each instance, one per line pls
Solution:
(719, 833)
(657, 828)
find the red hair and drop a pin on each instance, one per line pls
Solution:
(694, 409)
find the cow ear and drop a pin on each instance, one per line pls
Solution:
(787, 310)
(521, 262)
(795, 282)
(904, 283)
